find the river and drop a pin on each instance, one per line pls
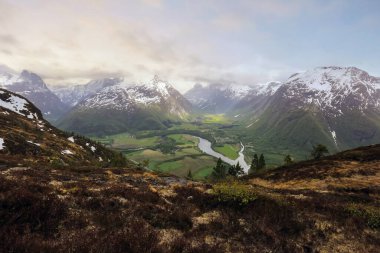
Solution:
(205, 146)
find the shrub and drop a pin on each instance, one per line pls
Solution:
(234, 193)
(370, 214)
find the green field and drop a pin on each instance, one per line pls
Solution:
(231, 151)
(127, 141)
(215, 118)
(185, 155)
(184, 139)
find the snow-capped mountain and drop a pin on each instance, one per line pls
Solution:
(231, 98)
(126, 106)
(72, 95)
(255, 100)
(32, 87)
(216, 98)
(336, 106)
(334, 89)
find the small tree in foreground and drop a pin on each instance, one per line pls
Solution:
(254, 165)
(262, 162)
(235, 170)
(319, 151)
(219, 171)
(189, 175)
(288, 160)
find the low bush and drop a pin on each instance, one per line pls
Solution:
(370, 214)
(234, 193)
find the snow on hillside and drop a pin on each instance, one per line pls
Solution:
(267, 89)
(127, 97)
(239, 91)
(73, 94)
(2, 144)
(16, 104)
(335, 88)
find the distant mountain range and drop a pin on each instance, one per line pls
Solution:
(336, 106)
(218, 98)
(32, 87)
(127, 107)
(339, 107)
(73, 94)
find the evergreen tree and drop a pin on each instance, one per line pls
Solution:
(219, 171)
(239, 171)
(255, 164)
(232, 171)
(189, 175)
(288, 160)
(235, 170)
(319, 151)
(261, 162)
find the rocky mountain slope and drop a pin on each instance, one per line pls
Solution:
(73, 94)
(339, 107)
(125, 107)
(330, 205)
(27, 139)
(34, 88)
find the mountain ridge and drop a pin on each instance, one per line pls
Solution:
(31, 86)
(128, 107)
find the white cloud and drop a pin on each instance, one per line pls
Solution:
(184, 41)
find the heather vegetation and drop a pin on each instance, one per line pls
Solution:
(316, 205)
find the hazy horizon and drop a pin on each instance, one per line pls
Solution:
(242, 42)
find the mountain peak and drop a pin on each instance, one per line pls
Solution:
(335, 89)
(33, 79)
(333, 77)
(156, 79)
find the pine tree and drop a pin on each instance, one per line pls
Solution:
(235, 170)
(219, 171)
(288, 160)
(319, 151)
(239, 170)
(232, 171)
(261, 162)
(255, 164)
(189, 175)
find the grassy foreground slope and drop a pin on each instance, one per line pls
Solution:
(331, 205)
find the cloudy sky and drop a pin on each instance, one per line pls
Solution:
(205, 41)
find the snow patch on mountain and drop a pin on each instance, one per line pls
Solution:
(239, 91)
(267, 89)
(334, 89)
(123, 96)
(67, 152)
(2, 146)
(16, 104)
(73, 94)
(333, 134)
(37, 144)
